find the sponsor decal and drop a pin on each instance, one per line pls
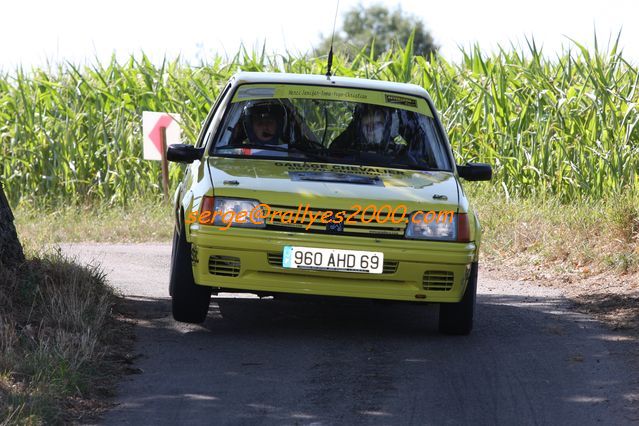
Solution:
(400, 100)
(339, 168)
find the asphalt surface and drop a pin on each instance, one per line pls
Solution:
(530, 359)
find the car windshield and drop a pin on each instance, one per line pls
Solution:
(333, 125)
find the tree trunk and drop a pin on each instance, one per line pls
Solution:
(11, 254)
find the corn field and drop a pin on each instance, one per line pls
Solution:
(565, 126)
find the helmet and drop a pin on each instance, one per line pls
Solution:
(373, 125)
(264, 111)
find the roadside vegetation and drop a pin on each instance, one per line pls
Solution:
(140, 220)
(588, 237)
(59, 341)
(589, 249)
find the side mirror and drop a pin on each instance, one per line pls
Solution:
(475, 171)
(183, 153)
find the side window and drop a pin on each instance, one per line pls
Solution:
(232, 131)
(210, 120)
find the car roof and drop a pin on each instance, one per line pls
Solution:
(333, 81)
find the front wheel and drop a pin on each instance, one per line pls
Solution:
(457, 318)
(190, 302)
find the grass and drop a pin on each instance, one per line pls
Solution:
(600, 235)
(57, 332)
(149, 219)
(588, 250)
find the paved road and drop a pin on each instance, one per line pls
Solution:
(530, 359)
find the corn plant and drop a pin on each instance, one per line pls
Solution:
(565, 126)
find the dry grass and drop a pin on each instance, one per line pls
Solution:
(589, 250)
(141, 221)
(58, 341)
(591, 236)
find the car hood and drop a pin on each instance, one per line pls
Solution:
(324, 185)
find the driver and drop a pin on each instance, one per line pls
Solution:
(264, 122)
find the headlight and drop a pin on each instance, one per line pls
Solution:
(227, 212)
(438, 226)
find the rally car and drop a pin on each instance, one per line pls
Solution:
(331, 186)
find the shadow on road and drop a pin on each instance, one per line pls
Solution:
(328, 361)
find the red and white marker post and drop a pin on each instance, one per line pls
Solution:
(160, 129)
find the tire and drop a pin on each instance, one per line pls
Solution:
(457, 318)
(190, 302)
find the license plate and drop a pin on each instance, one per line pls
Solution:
(370, 262)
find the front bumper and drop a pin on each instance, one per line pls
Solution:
(247, 259)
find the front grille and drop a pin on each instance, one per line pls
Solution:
(390, 266)
(298, 222)
(225, 266)
(438, 280)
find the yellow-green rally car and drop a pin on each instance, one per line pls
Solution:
(331, 186)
